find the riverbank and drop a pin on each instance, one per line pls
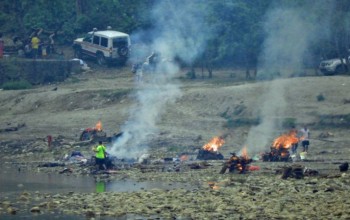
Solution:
(225, 106)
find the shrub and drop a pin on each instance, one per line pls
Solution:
(114, 94)
(289, 122)
(17, 85)
(232, 123)
(191, 74)
(73, 79)
(9, 70)
(320, 97)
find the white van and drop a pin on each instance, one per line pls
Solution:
(106, 46)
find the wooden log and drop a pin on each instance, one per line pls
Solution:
(287, 172)
(344, 167)
(12, 128)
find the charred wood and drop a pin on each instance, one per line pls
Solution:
(344, 167)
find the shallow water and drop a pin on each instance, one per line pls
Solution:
(14, 180)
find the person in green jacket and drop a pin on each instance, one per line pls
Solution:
(101, 156)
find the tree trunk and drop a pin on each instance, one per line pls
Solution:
(79, 7)
(193, 72)
(339, 52)
(203, 64)
(210, 70)
(18, 9)
(347, 52)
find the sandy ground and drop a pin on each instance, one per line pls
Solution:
(200, 113)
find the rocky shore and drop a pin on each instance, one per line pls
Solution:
(206, 194)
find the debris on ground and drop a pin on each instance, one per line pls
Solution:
(344, 167)
(9, 127)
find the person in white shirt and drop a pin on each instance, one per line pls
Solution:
(305, 138)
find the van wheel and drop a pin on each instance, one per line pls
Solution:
(101, 60)
(341, 69)
(123, 51)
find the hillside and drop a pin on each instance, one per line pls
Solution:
(205, 108)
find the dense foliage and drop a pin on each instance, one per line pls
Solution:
(238, 28)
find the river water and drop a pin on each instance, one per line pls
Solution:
(14, 181)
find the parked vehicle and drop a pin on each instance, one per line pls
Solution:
(107, 46)
(333, 66)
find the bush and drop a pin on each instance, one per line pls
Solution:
(191, 74)
(232, 123)
(9, 70)
(320, 97)
(115, 94)
(73, 79)
(17, 85)
(289, 123)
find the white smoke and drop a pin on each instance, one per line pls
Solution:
(177, 34)
(290, 32)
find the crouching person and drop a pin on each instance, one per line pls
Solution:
(100, 156)
(231, 164)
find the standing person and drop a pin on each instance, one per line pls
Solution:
(2, 45)
(305, 138)
(137, 70)
(101, 156)
(28, 48)
(51, 48)
(49, 140)
(35, 45)
(294, 133)
(153, 60)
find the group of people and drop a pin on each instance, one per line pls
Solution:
(34, 46)
(304, 137)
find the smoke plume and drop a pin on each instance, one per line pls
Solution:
(290, 32)
(178, 33)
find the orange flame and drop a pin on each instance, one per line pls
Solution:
(98, 126)
(214, 144)
(213, 185)
(245, 153)
(286, 140)
(183, 157)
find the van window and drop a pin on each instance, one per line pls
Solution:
(87, 38)
(104, 42)
(120, 42)
(96, 40)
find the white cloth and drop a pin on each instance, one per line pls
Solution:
(305, 133)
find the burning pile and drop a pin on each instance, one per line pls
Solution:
(95, 133)
(210, 150)
(239, 163)
(280, 147)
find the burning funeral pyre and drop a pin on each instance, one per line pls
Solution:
(210, 150)
(238, 163)
(93, 133)
(281, 146)
(97, 134)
